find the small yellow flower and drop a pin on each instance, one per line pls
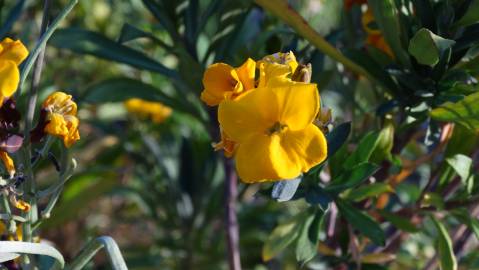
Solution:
(274, 129)
(222, 81)
(375, 38)
(276, 69)
(61, 117)
(12, 54)
(8, 163)
(156, 111)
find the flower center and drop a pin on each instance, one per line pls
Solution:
(276, 128)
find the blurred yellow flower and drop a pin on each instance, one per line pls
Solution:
(12, 54)
(374, 36)
(8, 163)
(4, 231)
(222, 81)
(61, 117)
(274, 129)
(156, 111)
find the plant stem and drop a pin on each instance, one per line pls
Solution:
(282, 10)
(232, 230)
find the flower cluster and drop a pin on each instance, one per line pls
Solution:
(155, 111)
(267, 123)
(57, 118)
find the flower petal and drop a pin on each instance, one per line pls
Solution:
(298, 104)
(218, 80)
(246, 73)
(9, 78)
(261, 158)
(254, 112)
(304, 148)
(13, 50)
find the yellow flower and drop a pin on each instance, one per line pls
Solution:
(148, 109)
(18, 235)
(276, 69)
(222, 81)
(274, 129)
(12, 53)
(61, 118)
(375, 38)
(8, 163)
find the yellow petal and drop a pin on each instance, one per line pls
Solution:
(8, 163)
(304, 148)
(246, 73)
(13, 50)
(9, 78)
(261, 158)
(73, 134)
(61, 101)
(273, 74)
(219, 80)
(298, 104)
(57, 125)
(254, 112)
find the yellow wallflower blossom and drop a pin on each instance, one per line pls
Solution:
(276, 69)
(156, 111)
(12, 54)
(274, 129)
(222, 81)
(374, 36)
(61, 117)
(8, 163)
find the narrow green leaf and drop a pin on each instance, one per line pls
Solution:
(462, 165)
(306, 249)
(87, 42)
(32, 248)
(12, 17)
(474, 224)
(368, 191)
(337, 137)
(427, 47)
(352, 177)
(386, 16)
(362, 222)
(114, 254)
(464, 112)
(280, 238)
(471, 16)
(363, 152)
(399, 222)
(444, 248)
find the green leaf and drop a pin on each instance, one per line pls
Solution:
(112, 250)
(384, 145)
(399, 222)
(444, 247)
(386, 16)
(121, 89)
(306, 248)
(337, 137)
(280, 238)
(462, 165)
(364, 150)
(362, 222)
(87, 42)
(32, 248)
(12, 17)
(368, 191)
(352, 177)
(471, 16)
(427, 47)
(464, 112)
(474, 224)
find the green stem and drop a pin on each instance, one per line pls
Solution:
(42, 42)
(282, 10)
